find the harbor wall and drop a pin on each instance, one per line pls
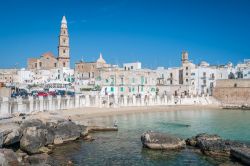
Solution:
(235, 92)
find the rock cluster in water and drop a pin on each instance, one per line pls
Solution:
(35, 139)
(156, 140)
(212, 145)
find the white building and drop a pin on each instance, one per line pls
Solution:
(25, 76)
(132, 66)
(203, 78)
(243, 69)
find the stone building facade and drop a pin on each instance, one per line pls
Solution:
(8, 76)
(86, 72)
(233, 91)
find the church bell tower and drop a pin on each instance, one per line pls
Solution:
(63, 47)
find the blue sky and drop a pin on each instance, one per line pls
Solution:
(151, 31)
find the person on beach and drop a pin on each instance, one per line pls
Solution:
(69, 118)
(115, 124)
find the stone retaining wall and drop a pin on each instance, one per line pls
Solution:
(235, 92)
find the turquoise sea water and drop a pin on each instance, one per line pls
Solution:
(124, 147)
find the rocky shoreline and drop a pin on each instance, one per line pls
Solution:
(30, 140)
(211, 145)
(243, 107)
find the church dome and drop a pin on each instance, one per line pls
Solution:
(100, 59)
(204, 64)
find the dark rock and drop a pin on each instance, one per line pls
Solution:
(213, 144)
(13, 137)
(156, 140)
(32, 123)
(84, 129)
(34, 138)
(10, 134)
(88, 138)
(193, 141)
(66, 131)
(241, 154)
(219, 147)
(8, 158)
(38, 159)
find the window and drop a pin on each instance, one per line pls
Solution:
(132, 67)
(122, 80)
(64, 64)
(54, 64)
(112, 89)
(186, 73)
(186, 80)
(171, 82)
(133, 80)
(186, 68)
(121, 89)
(40, 64)
(212, 75)
(211, 85)
(142, 89)
(64, 51)
(112, 80)
(142, 80)
(171, 75)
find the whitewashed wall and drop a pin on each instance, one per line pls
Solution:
(31, 104)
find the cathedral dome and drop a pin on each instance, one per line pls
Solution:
(204, 64)
(100, 59)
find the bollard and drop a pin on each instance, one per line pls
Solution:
(31, 102)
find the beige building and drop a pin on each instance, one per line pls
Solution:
(134, 82)
(49, 61)
(8, 76)
(86, 72)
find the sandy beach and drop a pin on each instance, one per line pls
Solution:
(92, 112)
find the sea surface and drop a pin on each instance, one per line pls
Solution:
(124, 147)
